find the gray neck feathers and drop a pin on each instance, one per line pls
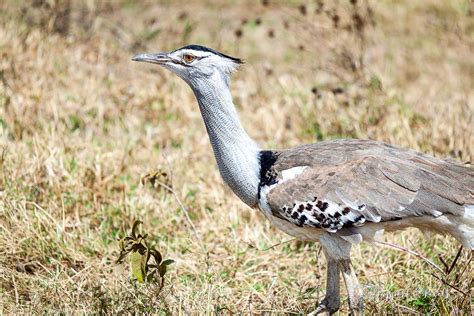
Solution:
(236, 153)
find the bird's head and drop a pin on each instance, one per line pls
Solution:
(194, 62)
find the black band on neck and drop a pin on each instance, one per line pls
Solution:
(267, 177)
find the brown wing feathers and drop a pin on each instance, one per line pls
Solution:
(371, 180)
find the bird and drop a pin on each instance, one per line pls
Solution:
(337, 192)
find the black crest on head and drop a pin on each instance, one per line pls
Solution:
(210, 50)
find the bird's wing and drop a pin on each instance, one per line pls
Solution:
(369, 188)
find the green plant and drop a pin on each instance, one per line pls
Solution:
(136, 247)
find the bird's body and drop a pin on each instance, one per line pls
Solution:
(358, 188)
(337, 192)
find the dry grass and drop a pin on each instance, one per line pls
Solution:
(80, 123)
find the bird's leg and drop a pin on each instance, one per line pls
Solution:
(354, 290)
(331, 302)
(338, 251)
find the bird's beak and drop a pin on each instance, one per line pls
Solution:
(158, 58)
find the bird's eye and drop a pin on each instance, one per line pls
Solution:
(188, 58)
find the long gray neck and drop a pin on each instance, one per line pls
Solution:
(236, 153)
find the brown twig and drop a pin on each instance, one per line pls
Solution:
(181, 205)
(446, 266)
(431, 263)
(454, 261)
(450, 285)
(272, 246)
(465, 268)
(185, 211)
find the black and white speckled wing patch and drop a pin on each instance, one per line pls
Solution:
(324, 214)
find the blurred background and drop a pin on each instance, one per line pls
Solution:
(80, 125)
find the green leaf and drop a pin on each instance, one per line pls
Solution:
(156, 255)
(151, 276)
(167, 262)
(138, 266)
(134, 229)
(121, 244)
(122, 256)
(162, 270)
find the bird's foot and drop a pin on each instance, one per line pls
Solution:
(328, 306)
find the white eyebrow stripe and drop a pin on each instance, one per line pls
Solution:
(196, 53)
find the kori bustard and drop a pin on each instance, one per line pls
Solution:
(338, 192)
